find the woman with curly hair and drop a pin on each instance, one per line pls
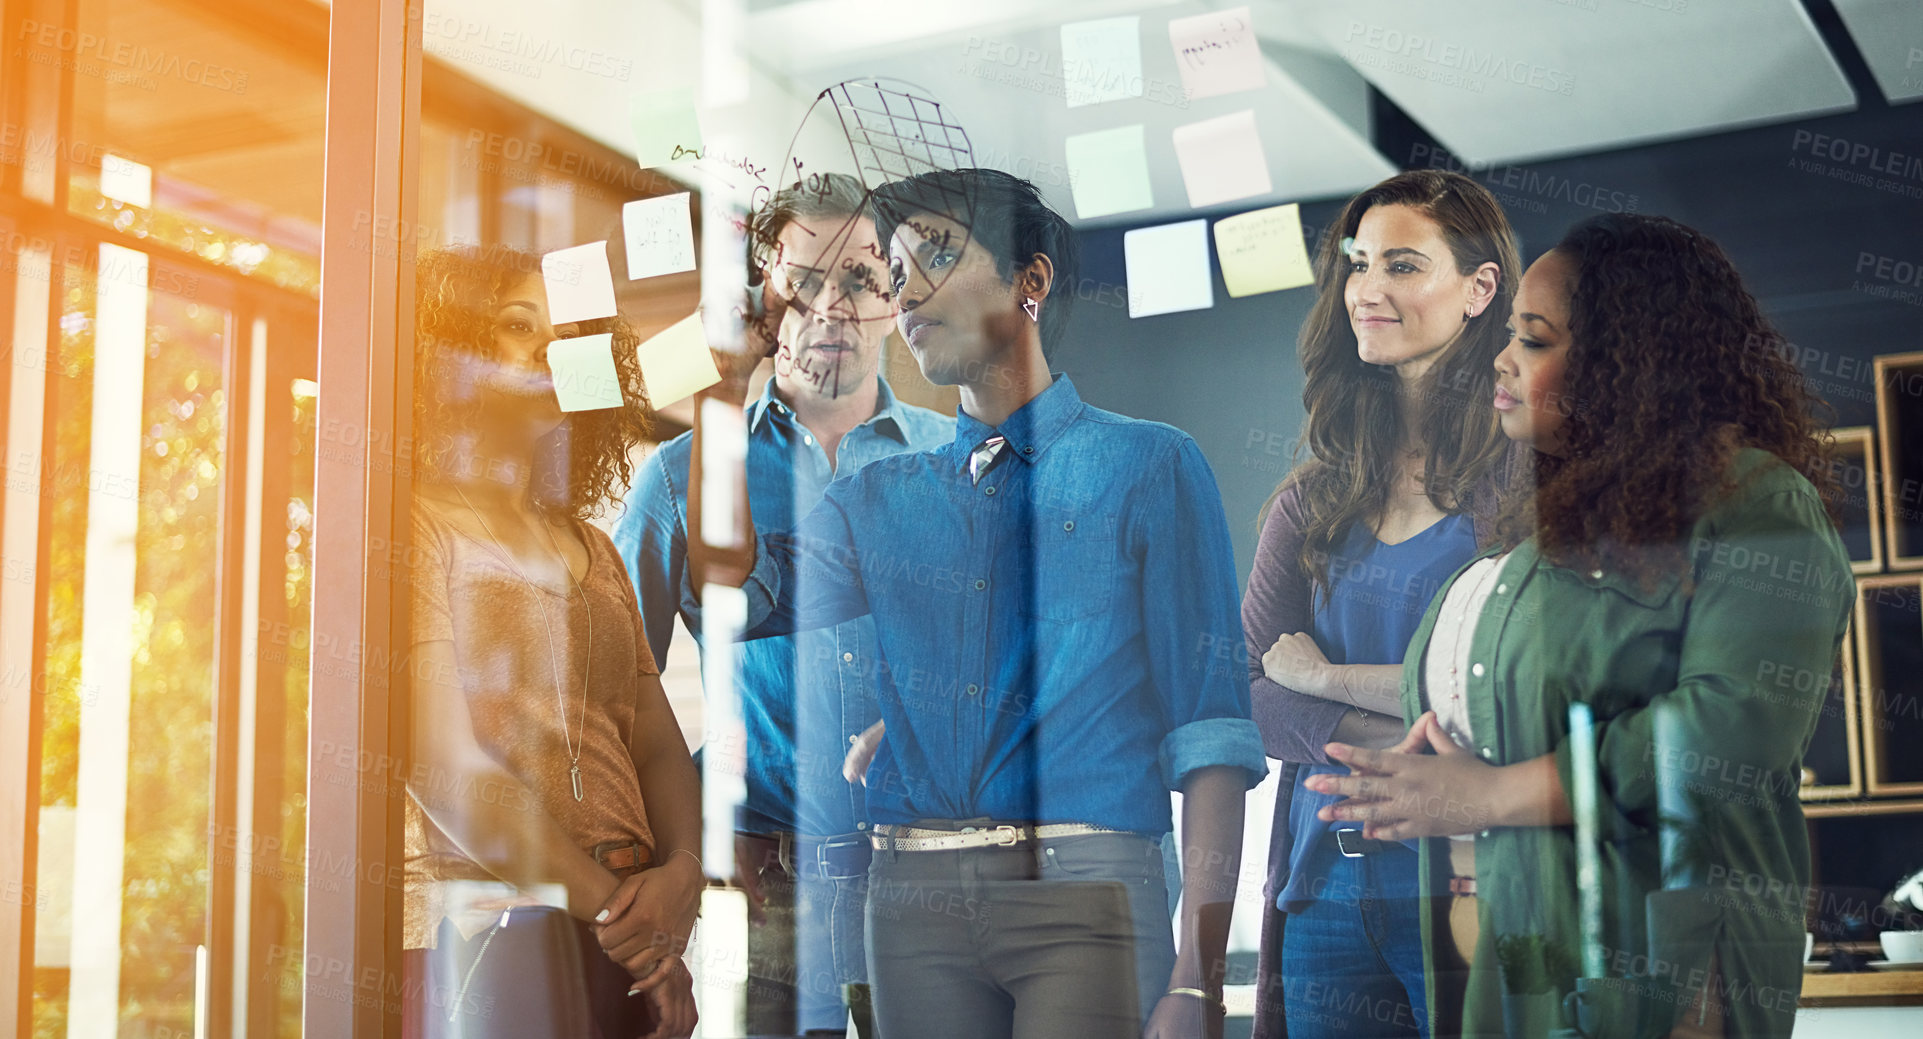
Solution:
(1414, 279)
(545, 752)
(1610, 660)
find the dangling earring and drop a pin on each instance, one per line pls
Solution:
(1033, 308)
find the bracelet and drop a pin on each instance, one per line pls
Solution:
(692, 855)
(1201, 995)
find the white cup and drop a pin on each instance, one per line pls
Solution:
(1902, 946)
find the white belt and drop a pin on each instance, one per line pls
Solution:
(909, 838)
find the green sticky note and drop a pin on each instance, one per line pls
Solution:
(1262, 251)
(585, 378)
(1108, 171)
(665, 126)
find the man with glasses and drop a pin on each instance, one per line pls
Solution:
(802, 846)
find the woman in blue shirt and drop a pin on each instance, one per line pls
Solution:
(1414, 279)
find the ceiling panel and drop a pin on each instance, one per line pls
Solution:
(1514, 80)
(1890, 35)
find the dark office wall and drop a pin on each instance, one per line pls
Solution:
(1823, 252)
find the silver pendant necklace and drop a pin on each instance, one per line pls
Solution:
(554, 666)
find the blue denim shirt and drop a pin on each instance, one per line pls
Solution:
(1048, 635)
(802, 696)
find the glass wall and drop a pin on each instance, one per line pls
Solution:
(617, 293)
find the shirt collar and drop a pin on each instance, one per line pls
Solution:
(760, 406)
(1031, 429)
(890, 413)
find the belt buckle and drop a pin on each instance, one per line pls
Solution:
(606, 848)
(1007, 836)
(1342, 844)
(825, 867)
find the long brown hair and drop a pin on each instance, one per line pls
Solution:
(1354, 424)
(1672, 369)
(579, 467)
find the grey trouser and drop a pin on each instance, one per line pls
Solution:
(1068, 937)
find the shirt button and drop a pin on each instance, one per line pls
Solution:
(806, 439)
(988, 490)
(1068, 525)
(847, 658)
(1595, 575)
(861, 826)
(1502, 589)
(973, 689)
(1030, 451)
(1476, 670)
(1488, 752)
(1484, 833)
(854, 737)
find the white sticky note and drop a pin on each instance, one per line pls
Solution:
(724, 446)
(1262, 251)
(1168, 268)
(1102, 60)
(666, 128)
(660, 236)
(676, 362)
(125, 180)
(580, 288)
(1217, 52)
(584, 375)
(1108, 171)
(1222, 159)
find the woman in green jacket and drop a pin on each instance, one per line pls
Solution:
(1609, 707)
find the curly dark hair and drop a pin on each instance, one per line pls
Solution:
(1671, 370)
(1354, 424)
(583, 464)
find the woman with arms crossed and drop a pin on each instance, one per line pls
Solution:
(1414, 280)
(1679, 548)
(545, 751)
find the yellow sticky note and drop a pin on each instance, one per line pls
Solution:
(676, 362)
(1262, 251)
(665, 126)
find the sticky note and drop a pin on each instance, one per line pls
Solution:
(584, 375)
(1168, 268)
(660, 236)
(724, 446)
(1262, 250)
(580, 288)
(125, 180)
(676, 362)
(1217, 53)
(665, 126)
(1102, 60)
(1108, 171)
(1222, 159)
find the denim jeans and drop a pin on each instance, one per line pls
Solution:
(1352, 959)
(807, 949)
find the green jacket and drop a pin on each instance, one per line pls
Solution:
(1703, 700)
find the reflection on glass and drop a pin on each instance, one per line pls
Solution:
(127, 758)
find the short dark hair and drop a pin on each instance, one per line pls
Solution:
(820, 195)
(1005, 214)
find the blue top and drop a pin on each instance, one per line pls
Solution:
(1047, 634)
(802, 696)
(1377, 596)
